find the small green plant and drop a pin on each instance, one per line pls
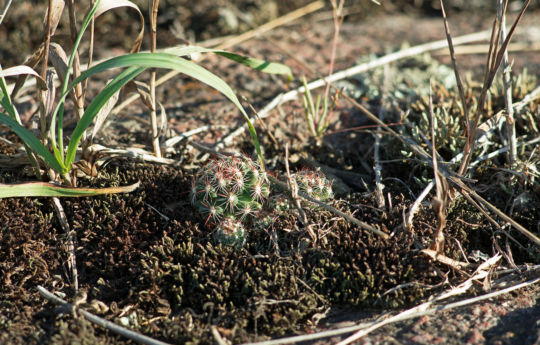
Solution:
(314, 114)
(231, 232)
(228, 192)
(314, 184)
(48, 150)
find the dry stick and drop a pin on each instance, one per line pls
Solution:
(440, 201)
(407, 316)
(493, 62)
(351, 219)
(510, 125)
(218, 338)
(293, 94)
(377, 168)
(481, 49)
(139, 338)
(90, 48)
(4, 11)
(400, 317)
(337, 11)
(314, 6)
(153, 26)
(72, 261)
(293, 188)
(133, 153)
(495, 153)
(47, 43)
(79, 103)
(456, 71)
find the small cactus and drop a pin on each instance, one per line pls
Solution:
(314, 184)
(230, 232)
(227, 191)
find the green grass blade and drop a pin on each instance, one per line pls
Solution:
(34, 143)
(260, 65)
(5, 100)
(154, 60)
(94, 108)
(43, 189)
(58, 113)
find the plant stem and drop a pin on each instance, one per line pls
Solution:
(510, 125)
(153, 115)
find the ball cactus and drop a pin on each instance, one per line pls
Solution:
(230, 232)
(314, 184)
(227, 191)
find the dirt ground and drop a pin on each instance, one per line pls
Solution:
(147, 260)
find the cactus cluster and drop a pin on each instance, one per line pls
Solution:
(227, 192)
(314, 184)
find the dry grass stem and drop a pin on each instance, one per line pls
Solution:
(70, 242)
(154, 4)
(441, 200)
(416, 204)
(68, 307)
(289, 17)
(4, 10)
(292, 186)
(454, 264)
(377, 168)
(347, 217)
(481, 49)
(418, 311)
(456, 71)
(402, 54)
(510, 125)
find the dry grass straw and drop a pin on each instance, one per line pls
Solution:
(75, 310)
(431, 307)
(294, 15)
(494, 60)
(154, 4)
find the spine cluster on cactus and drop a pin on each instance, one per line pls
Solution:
(314, 184)
(228, 191)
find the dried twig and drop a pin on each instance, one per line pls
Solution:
(154, 4)
(441, 200)
(4, 10)
(418, 311)
(349, 218)
(456, 71)
(510, 126)
(70, 243)
(293, 94)
(377, 168)
(289, 17)
(416, 204)
(139, 338)
(217, 337)
(293, 188)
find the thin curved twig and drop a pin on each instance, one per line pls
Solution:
(139, 338)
